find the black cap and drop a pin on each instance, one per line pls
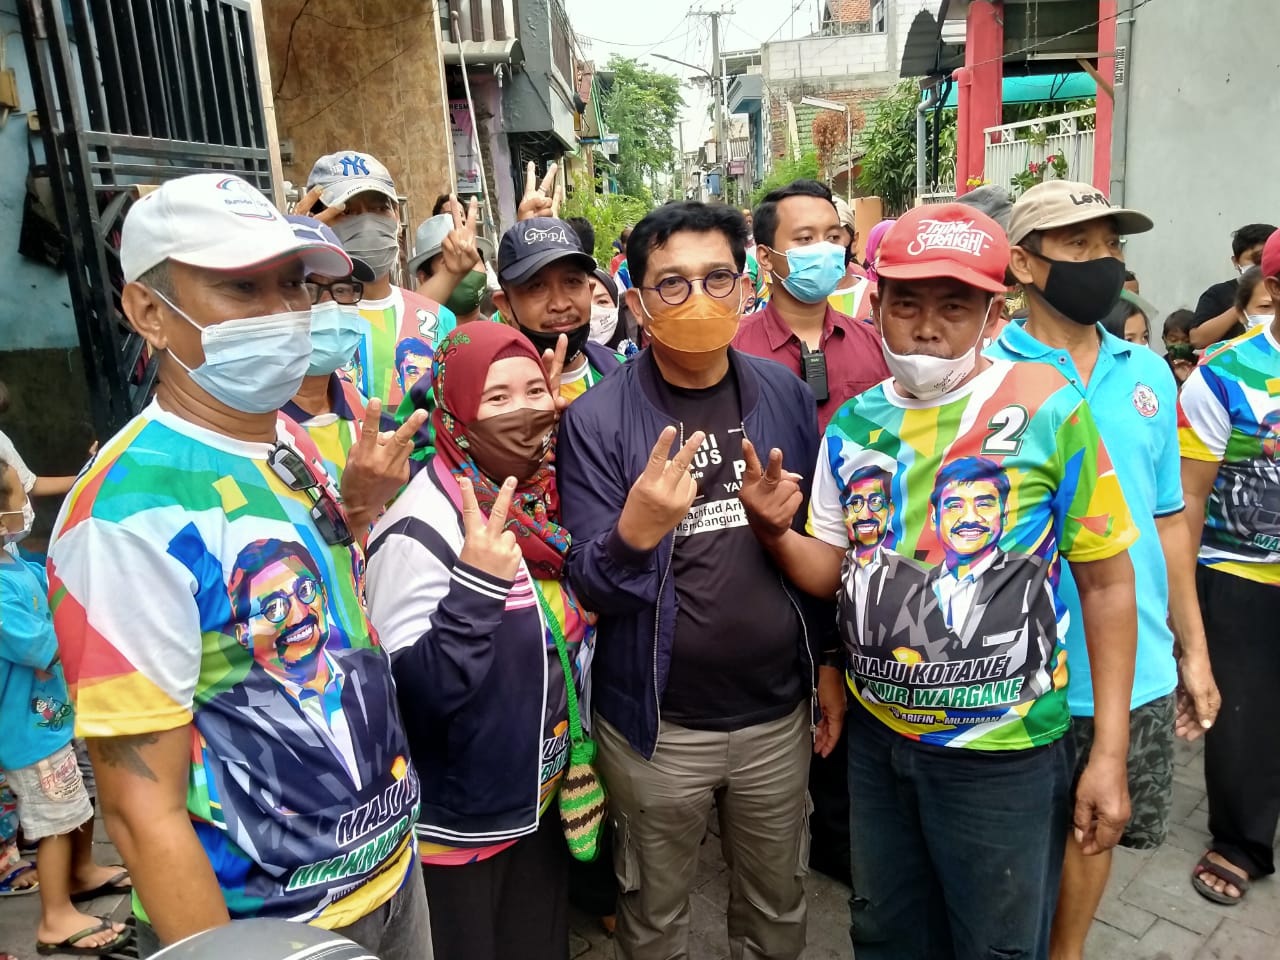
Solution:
(532, 244)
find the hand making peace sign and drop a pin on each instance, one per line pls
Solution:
(662, 495)
(487, 545)
(377, 466)
(540, 200)
(459, 248)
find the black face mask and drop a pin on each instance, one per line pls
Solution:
(547, 341)
(1081, 290)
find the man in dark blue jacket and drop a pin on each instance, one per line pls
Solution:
(708, 662)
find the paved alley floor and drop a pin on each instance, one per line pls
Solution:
(1149, 912)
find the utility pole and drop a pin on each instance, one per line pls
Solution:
(722, 138)
(684, 187)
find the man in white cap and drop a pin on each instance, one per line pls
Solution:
(1068, 257)
(355, 194)
(207, 594)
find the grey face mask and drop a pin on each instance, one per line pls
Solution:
(373, 237)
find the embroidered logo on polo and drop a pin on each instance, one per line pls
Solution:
(1145, 400)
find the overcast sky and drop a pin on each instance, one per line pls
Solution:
(640, 28)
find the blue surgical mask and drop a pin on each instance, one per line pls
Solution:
(336, 332)
(252, 364)
(816, 270)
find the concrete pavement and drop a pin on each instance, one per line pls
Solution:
(1149, 912)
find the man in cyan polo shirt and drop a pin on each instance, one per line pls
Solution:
(1067, 256)
(800, 242)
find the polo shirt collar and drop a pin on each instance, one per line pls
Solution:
(1027, 347)
(779, 334)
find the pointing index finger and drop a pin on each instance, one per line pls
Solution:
(455, 208)
(529, 174)
(372, 424)
(754, 470)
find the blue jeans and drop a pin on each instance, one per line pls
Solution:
(956, 853)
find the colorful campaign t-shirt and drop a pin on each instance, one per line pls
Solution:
(1229, 413)
(854, 302)
(189, 584)
(335, 433)
(400, 337)
(953, 513)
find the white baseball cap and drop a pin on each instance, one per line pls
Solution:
(217, 222)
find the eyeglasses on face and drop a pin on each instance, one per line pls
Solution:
(348, 292)
(719, 283)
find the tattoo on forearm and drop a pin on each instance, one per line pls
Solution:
(123, 752)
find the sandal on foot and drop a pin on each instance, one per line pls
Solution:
(69, 945)
(1234, 877)
(116, 885)
(7, 888)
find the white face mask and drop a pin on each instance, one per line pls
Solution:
(28, 521)
(604, 321)
(1257, 319)
(252, 364)
(926, 377)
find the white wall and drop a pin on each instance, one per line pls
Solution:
(1203, 144)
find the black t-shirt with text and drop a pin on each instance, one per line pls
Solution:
(736, 660)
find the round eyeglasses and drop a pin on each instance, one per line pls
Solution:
(347, 292)
(275, 607)
(718, 283)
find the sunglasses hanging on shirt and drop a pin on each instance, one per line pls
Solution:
(325, 509)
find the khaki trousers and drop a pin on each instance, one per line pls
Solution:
(756, 777)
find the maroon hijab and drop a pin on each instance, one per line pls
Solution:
(458, 372)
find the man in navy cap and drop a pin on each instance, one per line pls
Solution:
(546, 292)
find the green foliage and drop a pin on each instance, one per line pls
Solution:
(607, 212)
(889, 164)
(641, 107)
(784, 171)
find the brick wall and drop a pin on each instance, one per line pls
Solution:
(376, 90)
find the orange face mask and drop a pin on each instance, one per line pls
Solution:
(702, 324)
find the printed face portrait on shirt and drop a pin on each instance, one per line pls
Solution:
(278, 599)
(967, 509)
(868, 508)
(413, 361)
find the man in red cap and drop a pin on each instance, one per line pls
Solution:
(944, 501)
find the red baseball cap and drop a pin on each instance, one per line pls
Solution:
(946, 240)
(1270, 261)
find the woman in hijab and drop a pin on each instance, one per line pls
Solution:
(466, 590)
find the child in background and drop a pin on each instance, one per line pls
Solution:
(1177, 344)
(17, 876)
(36, 751)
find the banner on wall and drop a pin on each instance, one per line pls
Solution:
(465, 161)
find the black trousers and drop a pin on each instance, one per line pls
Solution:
(512, 905)
(1242, 749)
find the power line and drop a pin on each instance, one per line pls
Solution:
(651, 46)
